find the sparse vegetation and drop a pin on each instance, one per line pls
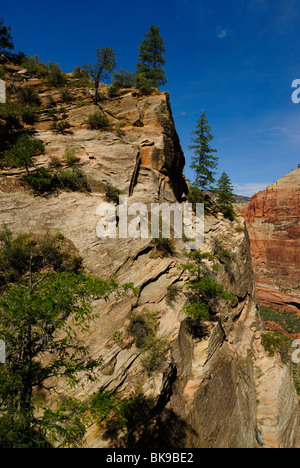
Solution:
(61, 126)
(19, 253)
(97, 121)
(66, 96)
(143, 328)
(112, 194)
(55, 76)
(29, 96)
(73, 179)
(288, 320)
(44, 182)
(277, 343)
(70, 156)
(164, 246)
(41, 181)
(172, 293)
(28, 115)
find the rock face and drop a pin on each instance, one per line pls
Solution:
(272, 219)
(217, 390)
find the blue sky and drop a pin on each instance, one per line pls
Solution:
(235, 59)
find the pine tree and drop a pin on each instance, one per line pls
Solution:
(5, 37)
(203, 161)
(225, 196)
(149, 71)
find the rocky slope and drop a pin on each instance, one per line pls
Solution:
(272, 219)
(217, 389)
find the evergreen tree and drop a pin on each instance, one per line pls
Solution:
(225, 196)
(203, 161)
(105, 64)
(149, 71)
(5, 37)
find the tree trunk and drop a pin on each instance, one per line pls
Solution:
(96, 93)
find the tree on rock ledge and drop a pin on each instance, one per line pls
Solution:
(106, 63)
(149, 69)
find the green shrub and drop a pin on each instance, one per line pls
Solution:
(54, 162)
(118, 129)
(113, 90)
(73, 179)
(197, 311)
(172, 293)
(34, 67)
(55, 76)
(275, 343)
(142, 327)
(61, 126)
(229, 212)
(41, 181)
(17, 254)
(82, 79)
(112, 194)
(154, 354)
(209, 289)
(165, 246)
(66, 96)
(224, 256)
(70, 156)
(29, 95)
(287, 319)
(28, 115)
(97, 121)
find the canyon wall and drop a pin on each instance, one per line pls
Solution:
(220, 389)
(272, 219)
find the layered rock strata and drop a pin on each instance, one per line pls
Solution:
(272, 219)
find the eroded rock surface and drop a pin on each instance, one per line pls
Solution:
(272, 219)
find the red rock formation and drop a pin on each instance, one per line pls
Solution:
(273, 222)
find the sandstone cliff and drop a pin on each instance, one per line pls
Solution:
(272, 219)
(217, 390)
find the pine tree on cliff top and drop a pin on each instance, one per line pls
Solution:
(149, 67)
(203, 162)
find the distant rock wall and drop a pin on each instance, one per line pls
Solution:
(273, 222)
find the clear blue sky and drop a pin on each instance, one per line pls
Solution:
(235, 59)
